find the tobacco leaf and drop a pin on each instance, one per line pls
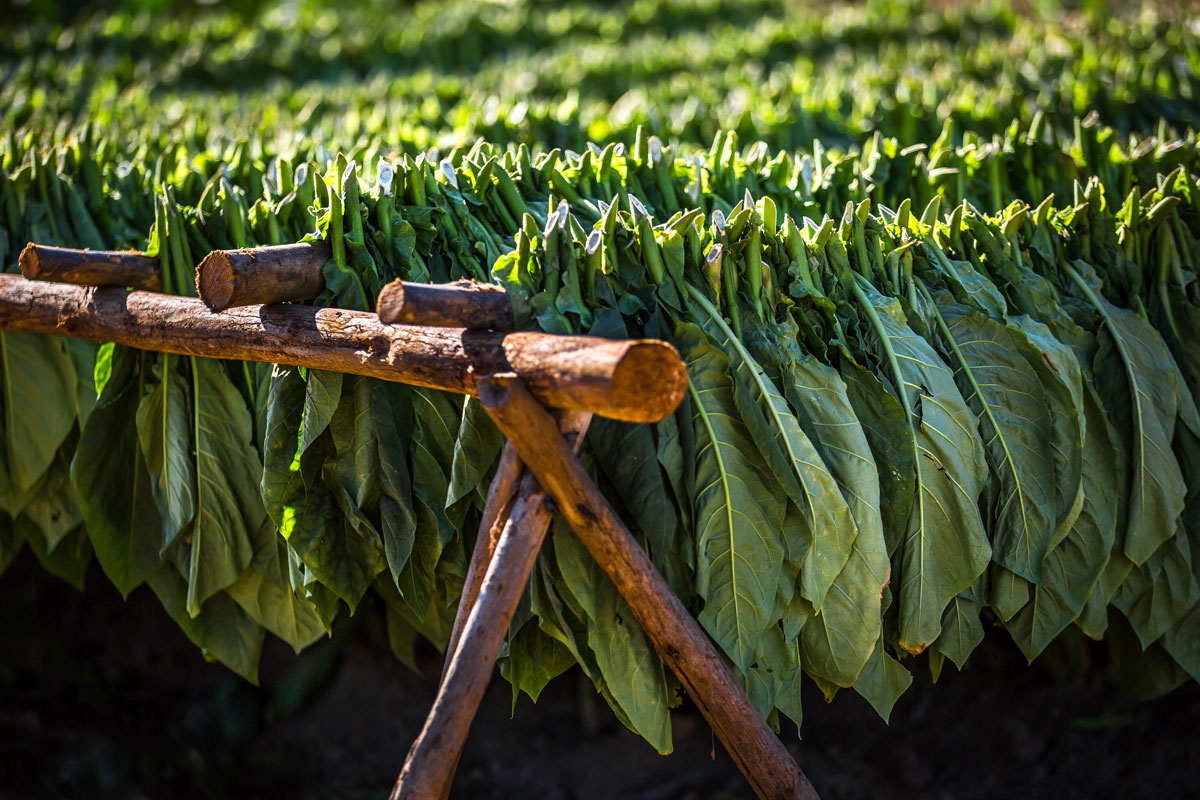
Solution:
(738, 517)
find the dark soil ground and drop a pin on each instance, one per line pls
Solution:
(102, 698)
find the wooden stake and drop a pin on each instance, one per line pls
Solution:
(41, 262)
(471, 662)
(638, 380)
(462, 304)
(680, 641)
(256, 275)
(496, 512)
(504, 489)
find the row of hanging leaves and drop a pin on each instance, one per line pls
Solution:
(858, 473)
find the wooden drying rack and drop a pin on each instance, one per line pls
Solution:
(457, 338)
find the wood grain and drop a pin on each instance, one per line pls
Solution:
(462, 304)
(257, 275)
(41, 262)
(635, 380)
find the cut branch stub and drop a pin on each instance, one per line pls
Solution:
(256, 275)
(462, 304)
(639, 380)
(41, 262)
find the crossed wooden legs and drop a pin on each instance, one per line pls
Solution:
(539, 443)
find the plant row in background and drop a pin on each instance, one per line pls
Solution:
(926, 396)
(559, 75)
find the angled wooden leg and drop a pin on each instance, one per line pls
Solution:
(677, 637)
(429, 768)
(495, 513)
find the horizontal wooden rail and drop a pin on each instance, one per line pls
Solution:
(41, 262)
(257, 275)
(639, 380)
(462, 304)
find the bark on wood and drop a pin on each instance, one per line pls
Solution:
(256, 275)
(471, 661)
(495, 514)
(636, 380)
(41, 262)
(677, 636)
(462, 304)
(504, 489)
(434, 755)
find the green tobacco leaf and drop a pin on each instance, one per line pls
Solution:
(432, 446)
(533, 658)
(968, 285)
(882, 680)
(110, 474)
(165, 432)
(356, 444)
(886, 426)
(774, 679)
(1062, 379)
(301, 497)
(1157, 594)
(69, 560)
(1183, 643)
(54, 505)
(222, 630)
(1142, 673)
(282, 486)
(677, 456)
(1073, 568)
(945, 547)
(391, 410)
(838, 642)
(322, 393)
(791, 607)
(39, 403)
(560, 617)
(1136, 375)
(626, 659)
(1005, 392)
(793, 460)
(628, 455)
(1009, 592)
(961, 631)
(402, 638)
(229, 508)
(738, 547)
(83, 357)
(475, 450)
(266, 595)
(339, 556)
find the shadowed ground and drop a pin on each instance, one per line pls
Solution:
(109, 699)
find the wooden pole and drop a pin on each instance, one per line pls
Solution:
(496, 512)
(429, 766)
(487, 611)
(462, 304)
(257, 275)
(677, 637)
(638, 380)
(41, 262)
(574, 425)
